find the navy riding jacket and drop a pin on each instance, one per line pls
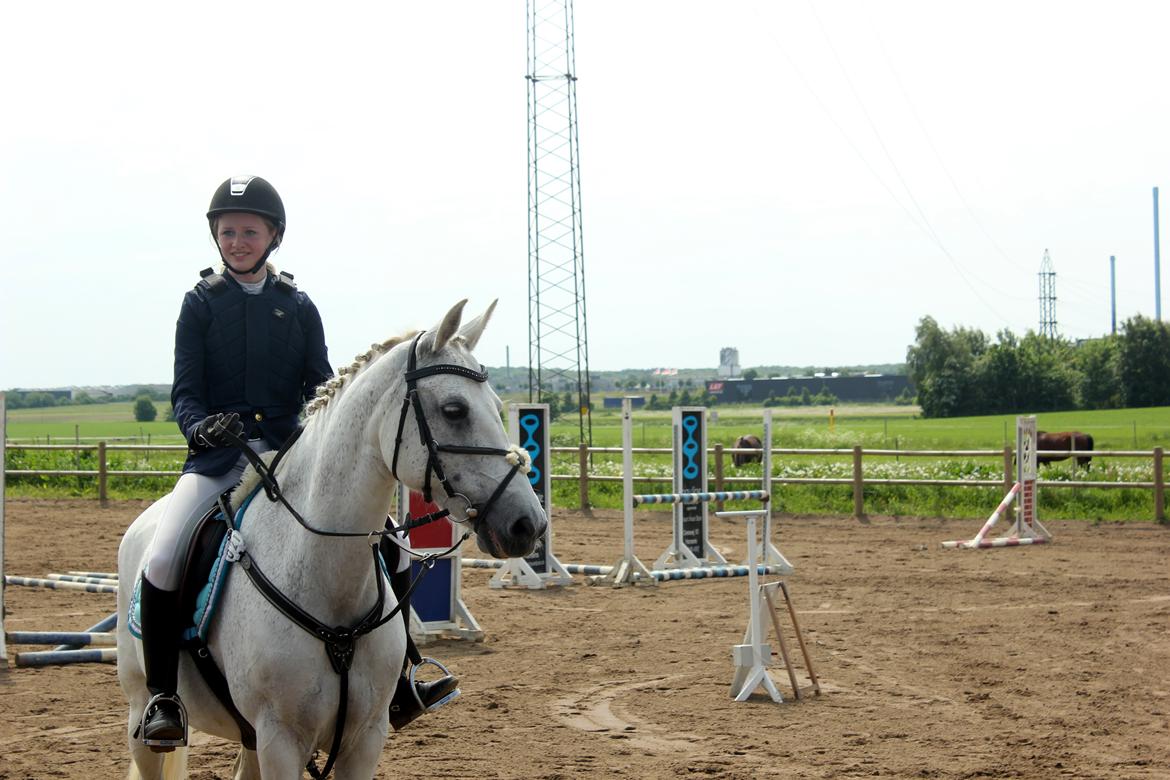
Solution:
(259, 355)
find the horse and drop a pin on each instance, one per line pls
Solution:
(747, 442)
(408, 409)
(1066, 441)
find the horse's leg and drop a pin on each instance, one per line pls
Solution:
(247, 766)
(144, 763)
(360, 759)
(280, 752)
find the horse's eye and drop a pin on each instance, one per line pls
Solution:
(454, 410)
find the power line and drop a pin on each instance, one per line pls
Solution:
(925, 225)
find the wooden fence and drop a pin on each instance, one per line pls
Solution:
(720, 480)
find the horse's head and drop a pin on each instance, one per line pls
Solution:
(448, 439)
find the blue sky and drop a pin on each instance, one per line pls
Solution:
(828, 173)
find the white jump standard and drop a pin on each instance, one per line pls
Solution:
(1027, 528)
(753, 657)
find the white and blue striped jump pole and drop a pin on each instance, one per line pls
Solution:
(103, 639)
(104, 625)
(39, 582)
(660, 575)
(103, 655)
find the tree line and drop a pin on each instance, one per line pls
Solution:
(961, 372)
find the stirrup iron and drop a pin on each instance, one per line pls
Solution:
(424, 661)
(163, 745)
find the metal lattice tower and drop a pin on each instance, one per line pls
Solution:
(1047, 297)
(558, 347)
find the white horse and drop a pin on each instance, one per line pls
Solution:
(374, 424)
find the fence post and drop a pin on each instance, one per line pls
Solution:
(858, 493)
(1159, 488)
(3, 465)
(718, 475)
(1008, 472)
(583, 482)
(102, 496)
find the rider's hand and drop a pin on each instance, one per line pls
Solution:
(210, 432)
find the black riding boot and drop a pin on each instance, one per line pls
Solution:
(412, 698)
(164, 722)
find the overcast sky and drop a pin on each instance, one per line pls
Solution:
(828, 172)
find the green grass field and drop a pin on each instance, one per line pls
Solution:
(884, 427)
(89, 423)
(869, 426)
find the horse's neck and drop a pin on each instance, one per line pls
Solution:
(337, 481)
(338, 463)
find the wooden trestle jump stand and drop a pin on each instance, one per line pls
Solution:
(754, 656)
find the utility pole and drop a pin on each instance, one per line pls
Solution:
(1157, 264)
(1047, 297)
(1113, 295)
(558, 342)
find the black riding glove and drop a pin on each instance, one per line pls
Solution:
(210, 432)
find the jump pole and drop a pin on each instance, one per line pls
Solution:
(80, 578)
(529, 427)
(595, 570)
(3, 461)
(40, 582)
(625, 571)
(97, 639)
(107, 655)
(977, 541)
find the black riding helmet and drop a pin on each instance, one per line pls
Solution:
(250, 195)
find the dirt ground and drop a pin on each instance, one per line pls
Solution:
(1042, 662)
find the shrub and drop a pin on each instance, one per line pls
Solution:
(144, 409)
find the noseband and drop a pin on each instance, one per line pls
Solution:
(474, 513)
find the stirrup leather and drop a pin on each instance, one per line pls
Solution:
(163, 745)
(414, 687)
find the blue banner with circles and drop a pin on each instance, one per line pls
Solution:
(533, 436)
(692, 449)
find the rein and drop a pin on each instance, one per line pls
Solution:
(267, 474)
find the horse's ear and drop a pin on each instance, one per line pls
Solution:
(474, 329)
(449, 326)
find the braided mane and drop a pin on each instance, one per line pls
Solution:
(345, 373)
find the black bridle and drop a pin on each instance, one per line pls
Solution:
(473, 513)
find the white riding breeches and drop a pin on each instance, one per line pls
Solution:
(190, 499)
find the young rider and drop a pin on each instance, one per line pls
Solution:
(249, 352)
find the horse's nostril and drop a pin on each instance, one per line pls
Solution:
(523, 527)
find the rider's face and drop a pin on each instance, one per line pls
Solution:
(243, 239)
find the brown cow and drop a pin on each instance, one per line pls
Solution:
(747, 442)
(1066, 440)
